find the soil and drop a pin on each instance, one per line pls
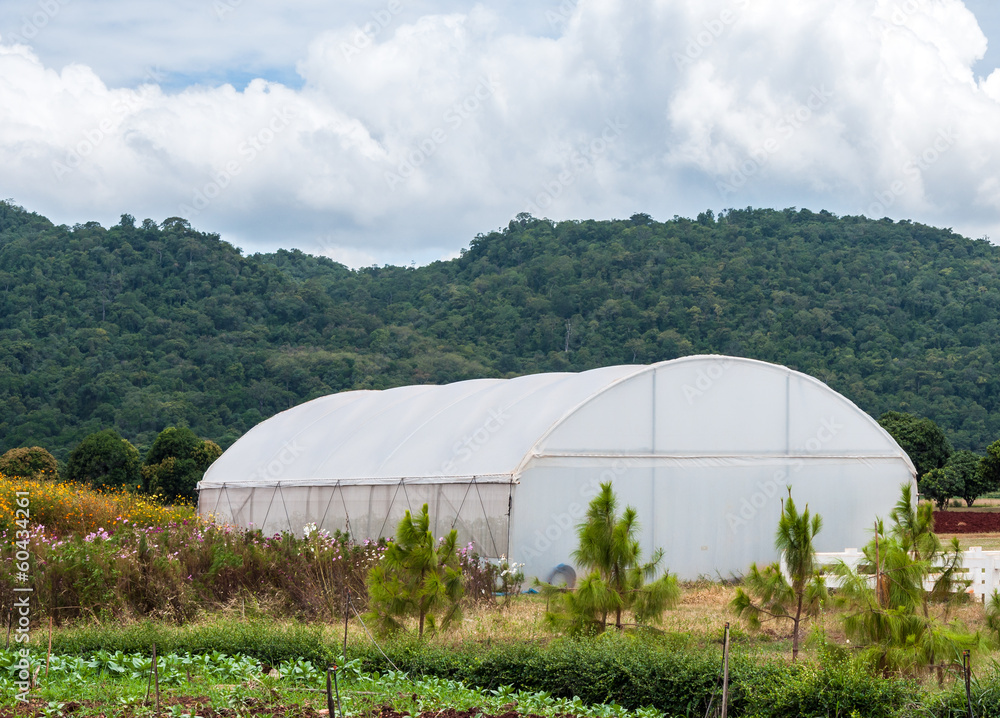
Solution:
(966, 522)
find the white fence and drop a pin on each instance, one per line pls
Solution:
(981, 568)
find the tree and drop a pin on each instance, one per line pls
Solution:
(29, 463)
(923, 440)
(898, 598)
(939, 485)
(416, 576)
(617, 580)
(105, 459)
(768, 594)
(967, 468)
(176, 463)
(989, 467)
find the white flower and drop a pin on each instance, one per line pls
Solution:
(308, 530)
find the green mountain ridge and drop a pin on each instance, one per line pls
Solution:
(142, 326)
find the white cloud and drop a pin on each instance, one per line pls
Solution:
(411, 133)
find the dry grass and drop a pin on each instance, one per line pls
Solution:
(986, 541)
(981, 504)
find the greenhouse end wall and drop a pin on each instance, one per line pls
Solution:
(710, 519)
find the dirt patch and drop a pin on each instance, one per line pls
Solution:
(966, 522)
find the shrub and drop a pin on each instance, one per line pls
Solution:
(637, 671)
(805, 690)
(623, 667)
(29, 463)
(176, 462)
(105, 459)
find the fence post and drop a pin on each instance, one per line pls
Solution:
(725, 672)
(156, 680)
(329, 694)
(347, 608)
(967, 666)
(48, 655)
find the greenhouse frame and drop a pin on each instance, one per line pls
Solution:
(703, 447)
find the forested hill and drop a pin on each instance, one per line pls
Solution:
(142, 326)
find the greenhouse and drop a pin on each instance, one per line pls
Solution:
(703, 447)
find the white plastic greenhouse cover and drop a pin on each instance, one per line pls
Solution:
(703, 447)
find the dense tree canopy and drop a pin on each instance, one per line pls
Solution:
(143, 326)
(922, 439)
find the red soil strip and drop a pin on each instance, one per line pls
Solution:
(966, 522)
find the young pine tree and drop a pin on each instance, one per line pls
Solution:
(768, 594)
(416, 576)
(899, 597)
(617, 581)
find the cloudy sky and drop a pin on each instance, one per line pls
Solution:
(396, 130)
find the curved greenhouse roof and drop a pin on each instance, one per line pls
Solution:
(481, 427)
(506, 461)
